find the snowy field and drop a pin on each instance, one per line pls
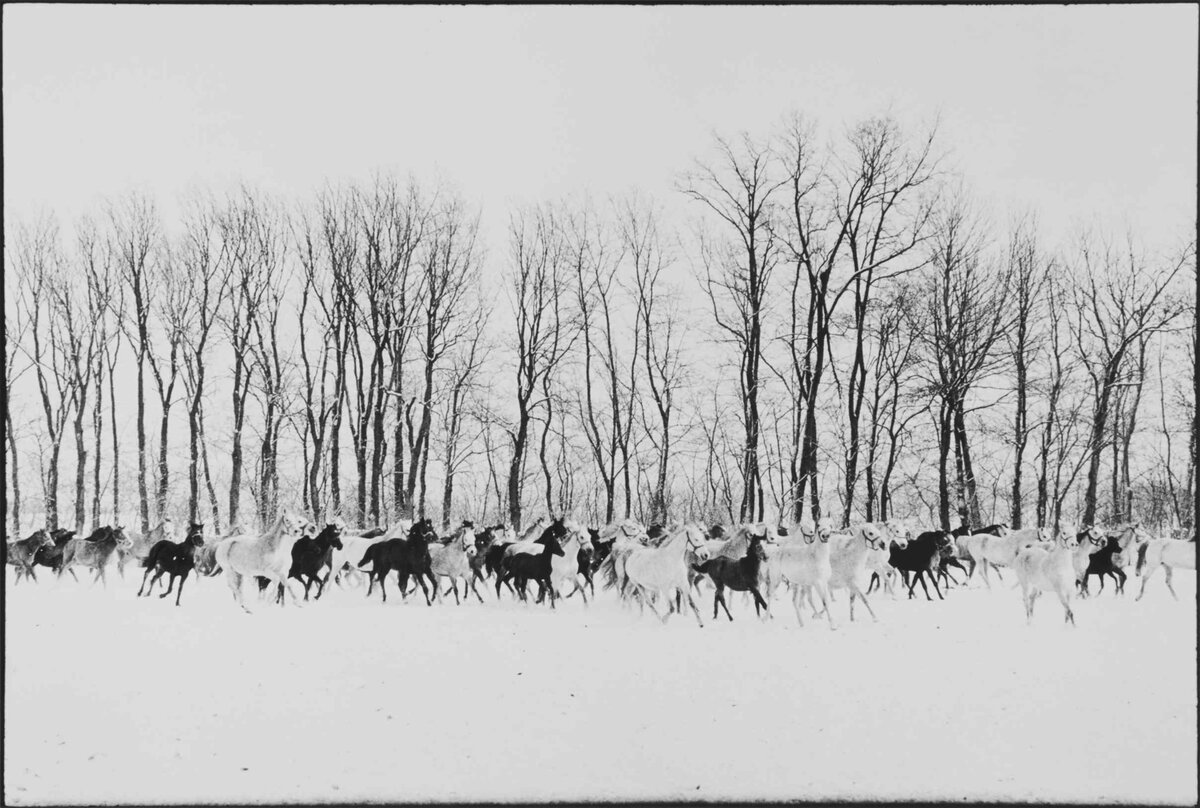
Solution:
(112, 699)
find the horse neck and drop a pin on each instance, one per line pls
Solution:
(273, 537)
(678, 543)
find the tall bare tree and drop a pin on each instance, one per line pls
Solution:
(966, 316)
(136, 236)
(537, 284)
(450, 270)
(662, 335)
(1118, 298)
(1029, 271)
(207, 263)
(739, 189)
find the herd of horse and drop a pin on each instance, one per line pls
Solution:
(656, 567)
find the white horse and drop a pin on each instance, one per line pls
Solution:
(268, 555)
(663, 570)
(806, 566)
(1170, 554)
(453, 561)
(1047, 570)
(1001, 551)
(849, 556)
(564, 569)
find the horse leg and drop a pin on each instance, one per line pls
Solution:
(235, 585)
(1119, 574)
(758, 598)
(863, 598)
(1168, 572)
(797, 597)
(721, 600)
(424, 589)
(179, 592)
(935, 587)
(144, 577)
(170, 586)
(873, 582)
(1146, 576)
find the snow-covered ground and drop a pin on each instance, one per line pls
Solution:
(113, 699)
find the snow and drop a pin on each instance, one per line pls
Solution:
(109, 698)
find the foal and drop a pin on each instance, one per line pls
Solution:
(740, 576)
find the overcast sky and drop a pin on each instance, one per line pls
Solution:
(1079, 112)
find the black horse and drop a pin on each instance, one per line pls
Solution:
(521, 568)
(483, 543)
(1101, 563)
(921, 556)
(408, 557)
(740, 576)
(493, 560)
(175, 559)
(309, 556)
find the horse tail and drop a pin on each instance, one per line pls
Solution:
(368, 556)
(1141, 557)
(608, 571)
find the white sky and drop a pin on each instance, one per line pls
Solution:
(1079, 112)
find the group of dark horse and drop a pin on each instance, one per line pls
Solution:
(494, 557)
(58, 549)
(932, 554)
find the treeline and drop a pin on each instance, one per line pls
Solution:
(839, 333)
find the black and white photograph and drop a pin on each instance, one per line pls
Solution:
(600, 404)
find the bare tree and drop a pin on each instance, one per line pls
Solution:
(136, 236)
(538, 283)
(83, 313)
(175, 309)
(43, 303)
(885, 221)
(662, 334)
(1029, 271)
(16, 327)
(207, 263)
(1118, 299)
(469, 356)
(247, 238)
(966, 316)
(450, 269)
(739, 189)
(605, 404)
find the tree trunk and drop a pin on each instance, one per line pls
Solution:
(143, 493)
(98, 441)
(80, 465)
(15, 475)
(1020, 428)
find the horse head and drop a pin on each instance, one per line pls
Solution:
(333, 532)
(422, 530)
(877, 539)
(118, 535)
(552, 537)
(756, 549)
(195, 534)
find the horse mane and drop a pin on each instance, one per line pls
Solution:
(101, 534)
